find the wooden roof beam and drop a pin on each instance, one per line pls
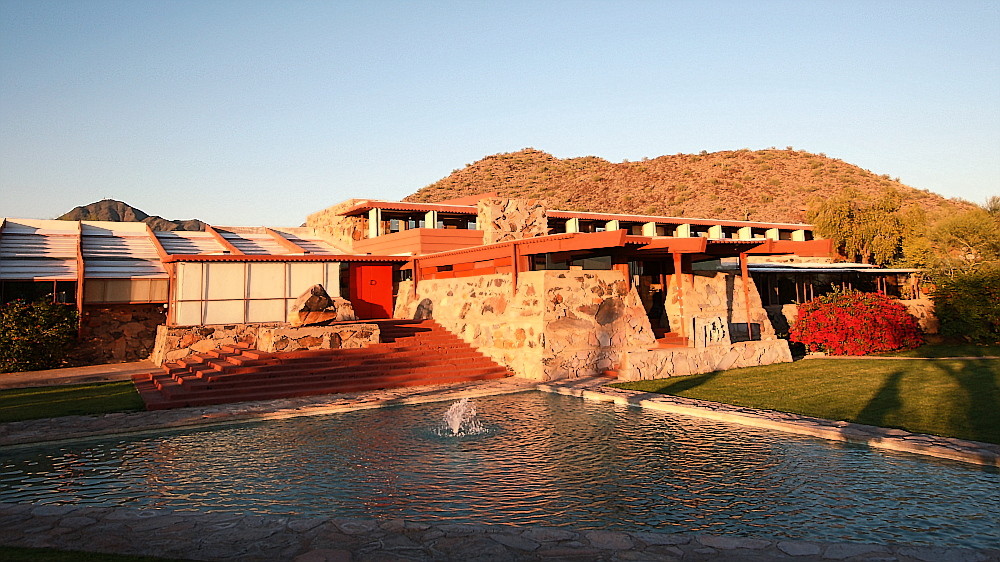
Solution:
(285, 242)
(226, 244)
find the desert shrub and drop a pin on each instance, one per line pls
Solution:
(968, 305)
(35, 335)
(855, 323)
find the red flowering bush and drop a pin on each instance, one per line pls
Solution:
(855, 323)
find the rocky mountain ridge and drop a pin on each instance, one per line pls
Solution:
(769, 185)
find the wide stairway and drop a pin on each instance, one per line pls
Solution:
(411, 353)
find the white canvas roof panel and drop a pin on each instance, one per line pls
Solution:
(308, 240)
(254, 243)
(119, 251)
(38, 249)
(176, 242)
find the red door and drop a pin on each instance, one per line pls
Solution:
(371, 290)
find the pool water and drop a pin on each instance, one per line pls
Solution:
(543, 459)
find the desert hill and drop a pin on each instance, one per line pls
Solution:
(117, 211)
(766, 185)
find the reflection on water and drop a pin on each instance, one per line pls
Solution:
(544, 459)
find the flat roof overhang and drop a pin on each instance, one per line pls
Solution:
(527, 246)
(282, 258)
(362, 207)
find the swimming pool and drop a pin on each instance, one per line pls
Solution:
(543, 460)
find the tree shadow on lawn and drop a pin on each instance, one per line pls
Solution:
(686, 383)
(979, 415)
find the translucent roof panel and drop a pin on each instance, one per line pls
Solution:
(254, 243)
(187, 242)
(310, 241)
(37, 249)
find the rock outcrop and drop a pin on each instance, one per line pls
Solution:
(316, 308)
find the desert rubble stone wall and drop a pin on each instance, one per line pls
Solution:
(556, 324)
(568, 324)
(120, 332)
(341, 336)
(176, 342)
(503, 219)
(669, 362)
(712, 308)
(340, 230)
(486, 312)
(593, 320)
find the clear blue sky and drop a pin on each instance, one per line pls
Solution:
(251, 112)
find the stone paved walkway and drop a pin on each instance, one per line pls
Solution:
(208, 536)
(202, 536)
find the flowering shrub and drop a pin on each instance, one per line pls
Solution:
(35, 335)
(855, 323)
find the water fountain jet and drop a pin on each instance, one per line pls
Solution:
(460, 419)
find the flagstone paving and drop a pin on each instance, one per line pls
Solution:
(222, 536)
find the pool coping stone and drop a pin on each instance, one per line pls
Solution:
(975, 452)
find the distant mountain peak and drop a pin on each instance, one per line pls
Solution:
(118, 211)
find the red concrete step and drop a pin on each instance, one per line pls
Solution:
(159, 402)
(411, 353)
(323, 381)
(248, 375)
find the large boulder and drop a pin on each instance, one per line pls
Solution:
(316, 308)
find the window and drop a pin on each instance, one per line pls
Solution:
(53, 291)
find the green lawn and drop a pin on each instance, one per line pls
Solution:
(949, 350)
(955, 398)
(54, 401)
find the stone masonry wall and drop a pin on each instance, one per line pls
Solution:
(120, 332)
(557, 324)
(593, 320)
(340, 336)
(173, 343)
(662, 363)
(503, 219)
(568, 324)
(715, 300)
(342, 231)
(486, 312)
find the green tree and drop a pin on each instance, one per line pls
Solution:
(964, 242)
(870, 233)
(967, 303)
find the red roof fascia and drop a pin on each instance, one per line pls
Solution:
(805, 248)
(528, 246)
(675, 245)
(368, 204)
(282, 258)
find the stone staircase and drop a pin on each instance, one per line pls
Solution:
(411, 353)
